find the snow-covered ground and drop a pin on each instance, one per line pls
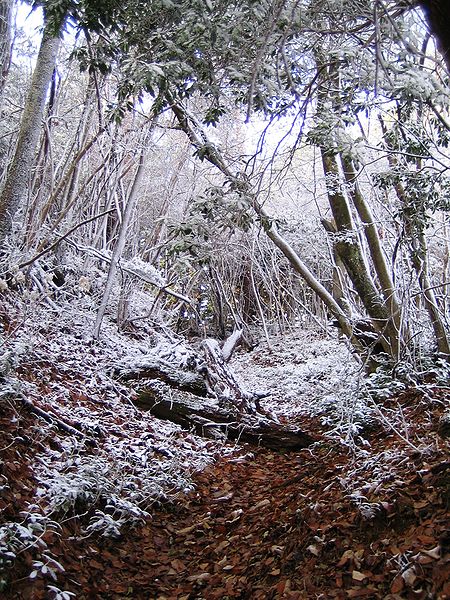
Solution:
(307, 374)
(124, 459)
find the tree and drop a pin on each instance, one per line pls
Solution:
(264, 57)
(5, 41)
(14, 191)
(199, 51)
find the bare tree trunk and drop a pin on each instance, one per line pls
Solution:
(373, 239)
(350, 252)
(420, 263)
(123, 232)
(14, 191)
(5, 42)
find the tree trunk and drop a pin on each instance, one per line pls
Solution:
(208, 419)
(215, 405)
(437, 13)
(373, 239)
(152, 366)
(419, 259)
(122, 238)
(350, 252)
(5, 42)
(14, 192)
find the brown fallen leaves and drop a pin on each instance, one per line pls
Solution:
(264, 525)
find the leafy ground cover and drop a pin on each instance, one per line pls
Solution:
(100, 500)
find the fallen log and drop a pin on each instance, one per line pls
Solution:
(152, 366)
(207, 418)
(202, 374)
(201, 394)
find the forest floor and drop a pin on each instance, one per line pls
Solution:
(120, 505)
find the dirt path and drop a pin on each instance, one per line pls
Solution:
(367, 518)
(241, 534)
(265, 525)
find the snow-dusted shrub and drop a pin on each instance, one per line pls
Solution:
(16, 538)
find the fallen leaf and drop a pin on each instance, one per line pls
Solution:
(314, 549)
(177, 565)
(434, 553)
(345, 558)
(186, 530)
(261, 504)
(409, 576)
(222, 546)
(361, 592)
(199, 577)
(397, 585)
(235, 516)
(358, 576)
(225, 497)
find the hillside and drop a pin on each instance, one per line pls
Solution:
(99, 499)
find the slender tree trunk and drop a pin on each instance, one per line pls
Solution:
(14, 192)
(375, 248)
(420, 263)
(5, 41)
(372, 237)
(123, 232)
(350, 252)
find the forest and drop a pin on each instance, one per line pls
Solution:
(225, 299)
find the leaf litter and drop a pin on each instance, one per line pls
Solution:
(138, 508)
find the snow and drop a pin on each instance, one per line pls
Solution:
(308, 375)
(124, 460)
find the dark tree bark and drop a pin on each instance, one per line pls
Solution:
(437, 13)
(208, 419)
(5, 41)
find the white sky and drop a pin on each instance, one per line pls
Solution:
(30, 20)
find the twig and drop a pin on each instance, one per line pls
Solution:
(63, 237)
(386, 421)
(50, 418)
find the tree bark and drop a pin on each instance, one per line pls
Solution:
(419, 258)
(349, 250)
(5, 42)
(14, 192)
(151, 367)
(373, 239)
(437, 13)
(208, 419)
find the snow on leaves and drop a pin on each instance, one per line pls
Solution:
(139, 508)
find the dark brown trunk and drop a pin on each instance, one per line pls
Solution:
(437, 13)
